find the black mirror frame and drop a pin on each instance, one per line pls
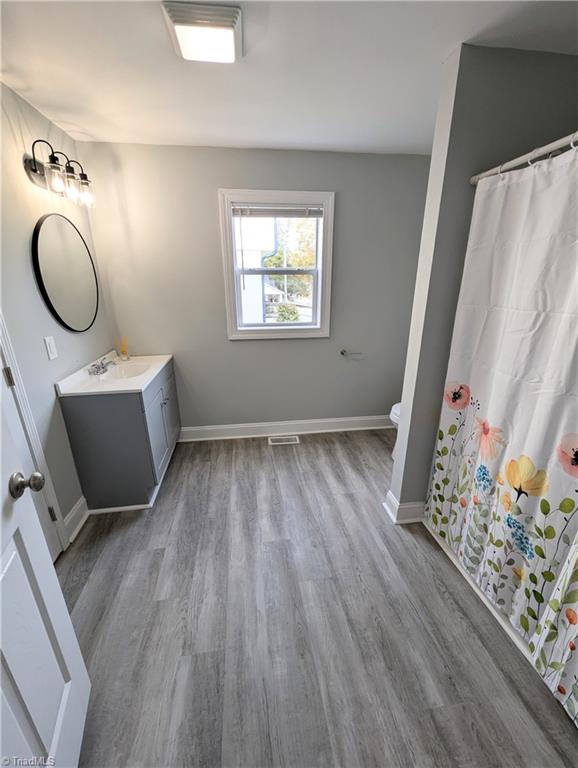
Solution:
(40, 281)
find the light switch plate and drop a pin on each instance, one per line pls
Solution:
(50, 345)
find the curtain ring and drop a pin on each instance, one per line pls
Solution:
(500, 169)
(572, 140)
(532, 154)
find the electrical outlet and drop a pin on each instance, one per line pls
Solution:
(50, 345)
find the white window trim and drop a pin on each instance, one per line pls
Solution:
(229, 197)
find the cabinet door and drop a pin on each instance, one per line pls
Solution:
(172, 416)
(157, 433)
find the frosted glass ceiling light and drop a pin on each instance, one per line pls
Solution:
(205, 32)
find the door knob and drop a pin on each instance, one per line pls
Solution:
(18, 483)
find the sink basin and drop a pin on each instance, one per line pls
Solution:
(132, 375)
(126, 370)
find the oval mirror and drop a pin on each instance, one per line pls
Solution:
(65, 272)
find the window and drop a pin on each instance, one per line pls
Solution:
(277, 262)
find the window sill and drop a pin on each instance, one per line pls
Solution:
(278, 333)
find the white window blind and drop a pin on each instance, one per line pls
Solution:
(277, 212)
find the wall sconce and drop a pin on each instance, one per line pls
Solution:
(61, 179)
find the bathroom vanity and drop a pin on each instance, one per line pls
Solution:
(123, 422)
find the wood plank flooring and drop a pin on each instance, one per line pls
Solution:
(266, 613)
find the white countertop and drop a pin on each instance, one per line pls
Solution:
(132, 375)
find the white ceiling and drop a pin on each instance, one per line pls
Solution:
(349, 76)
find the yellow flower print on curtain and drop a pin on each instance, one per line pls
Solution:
(525, 478)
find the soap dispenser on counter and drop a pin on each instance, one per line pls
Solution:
(123, 351)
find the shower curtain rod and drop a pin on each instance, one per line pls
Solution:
(529, 157)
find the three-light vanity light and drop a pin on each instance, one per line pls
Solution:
(60, 178)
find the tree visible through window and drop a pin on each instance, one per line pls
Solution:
(297, 241)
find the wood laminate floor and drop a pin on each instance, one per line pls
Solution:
(266, 613)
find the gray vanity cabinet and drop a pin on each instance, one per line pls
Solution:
(163, 424)
(122, 442)
(172, 414)
(155, 419)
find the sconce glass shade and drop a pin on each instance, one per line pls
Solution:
(72, 184)
(54, 176)
(86, 194)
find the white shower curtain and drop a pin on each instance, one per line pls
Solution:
(504, 486)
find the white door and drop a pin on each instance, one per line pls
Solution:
(44, 682)
(56, 540)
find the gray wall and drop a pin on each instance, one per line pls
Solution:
(26, 316)
(156, 226)
(502, 104)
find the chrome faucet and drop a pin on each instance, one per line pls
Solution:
(100, 367)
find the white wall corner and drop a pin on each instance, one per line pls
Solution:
(76, 518)
(434, 193)
(402, 514)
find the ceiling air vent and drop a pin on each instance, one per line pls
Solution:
(284, 440)
(203, 32)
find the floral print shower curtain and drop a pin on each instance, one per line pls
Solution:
(504, 485)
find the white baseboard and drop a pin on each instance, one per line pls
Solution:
(128, 508)
(132, 507)
(403, 513)
(498, 615)
(299, 427)
(75, 519)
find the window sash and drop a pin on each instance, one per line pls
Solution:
(274, 213)
(315, 318)
(277, 271)
(240, 271)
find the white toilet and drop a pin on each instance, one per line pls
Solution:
(395, 415)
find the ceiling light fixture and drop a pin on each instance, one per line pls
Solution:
(205, 32)
(58, 178)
